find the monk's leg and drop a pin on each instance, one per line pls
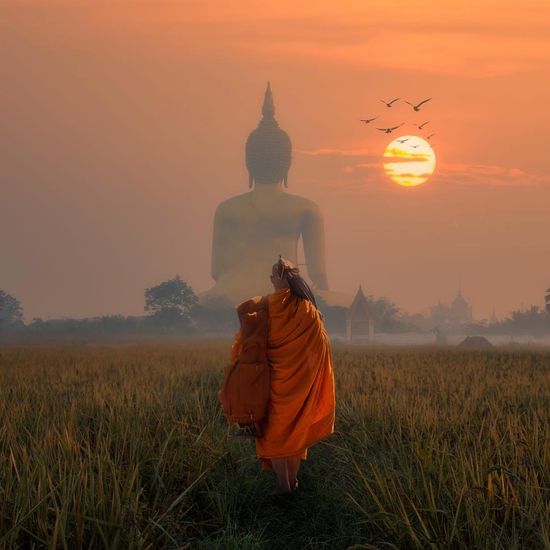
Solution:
(293, 467)
(280, 467)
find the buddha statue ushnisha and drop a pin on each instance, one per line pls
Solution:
(253, 228)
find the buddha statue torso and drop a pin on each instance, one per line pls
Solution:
(252, 229)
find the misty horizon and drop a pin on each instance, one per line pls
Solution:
(124, 129)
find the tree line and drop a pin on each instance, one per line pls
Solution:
(172, 309)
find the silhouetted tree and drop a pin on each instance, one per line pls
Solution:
(170, 300)
(439, 314)
(418, 322)
(108, 327)
(533, 320)
(386, 315)
(11, 312)
(216, 315)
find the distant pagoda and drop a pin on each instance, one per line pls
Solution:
(460, 310)
(359, 322)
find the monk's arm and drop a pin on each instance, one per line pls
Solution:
(313, 234)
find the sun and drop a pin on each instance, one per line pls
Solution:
(409, 160)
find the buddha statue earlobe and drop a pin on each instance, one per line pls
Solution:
(250, 181)
(285, 180)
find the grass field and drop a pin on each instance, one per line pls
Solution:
(126, 448)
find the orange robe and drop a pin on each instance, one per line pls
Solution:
(302, 404)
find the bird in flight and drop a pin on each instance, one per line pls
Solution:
(415, 146)
(368, 120)
(390, 130)
(417, 107)
(390, 103)
(422, 125)
(403, 140)
(430, 136)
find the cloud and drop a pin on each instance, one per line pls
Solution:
(473, 41)
(353, 167)
(328, 151)
(400, 155)
(457, 54)
(469, 39)
(484, 174)
(404, 175)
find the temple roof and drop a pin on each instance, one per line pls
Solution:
(459, 300)
(359, 309)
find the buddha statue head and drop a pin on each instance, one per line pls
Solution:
(268, 148)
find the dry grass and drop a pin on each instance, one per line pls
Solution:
(126, 448)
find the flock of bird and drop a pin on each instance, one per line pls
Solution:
(416, 107)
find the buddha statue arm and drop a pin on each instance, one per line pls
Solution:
(220, 246)
(313, 235)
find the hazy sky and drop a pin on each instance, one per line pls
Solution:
(122, 126)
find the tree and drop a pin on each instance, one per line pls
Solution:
(385, 314)
(533, 320)
(216, 314)
(11, 312)
(171, 300)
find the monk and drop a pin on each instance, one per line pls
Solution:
(302, 405)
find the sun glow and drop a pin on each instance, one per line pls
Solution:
(409, 160)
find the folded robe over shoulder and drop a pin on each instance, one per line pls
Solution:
(302, 405)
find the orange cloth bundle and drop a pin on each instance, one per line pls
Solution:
(301, 408)
(246, 387)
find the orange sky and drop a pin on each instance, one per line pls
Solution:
(123, 126)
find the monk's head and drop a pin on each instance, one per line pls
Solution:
(286, 275)
(283, 273)
(278, 279)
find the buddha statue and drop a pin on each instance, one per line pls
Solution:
(252, 229)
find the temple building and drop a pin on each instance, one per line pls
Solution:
(458, 312)
(359, 322)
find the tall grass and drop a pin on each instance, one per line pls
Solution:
(126, 448)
